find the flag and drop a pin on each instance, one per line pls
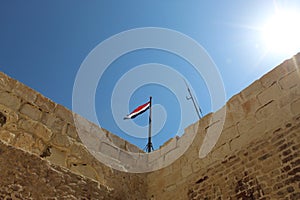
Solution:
(139, 110)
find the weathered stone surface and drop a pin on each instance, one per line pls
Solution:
(25, 141)
(244, 164)
(25, 92)
(61, 140)
(295, 107)
(57, 157)
(109, 150)
(31, 111)
(44, 103)
(53, 122)
(25, 176)
(43, 132)
(71, 131)
(266, 110)
(10, 100)
(63, 113)
(269, 94)
(6, 83)
(85, 170)
(289, 81)
(37, 125)
(252, 90)
(36, 128)
(7, 136)
(255, 154)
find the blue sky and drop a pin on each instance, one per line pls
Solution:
(44, 43)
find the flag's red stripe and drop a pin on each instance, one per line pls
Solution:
(140, 107)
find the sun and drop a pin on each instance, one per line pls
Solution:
(281, 33)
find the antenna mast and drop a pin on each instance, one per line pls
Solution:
(197, 108)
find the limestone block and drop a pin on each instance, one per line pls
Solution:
(186, 170)
(172, 156)
(110, 161)
(63, 113)
(100, 133)
(219, 116)
(245, 125)
(36, 128)
(244, 140)
(25, 141)
(266, 110)
(10, 100)
(292, 95)
(278, 118)
(61, 140)
(84, 169)
(197, 165)
(295, 107)
(80, 151)
(127, 159)
(82, 124)
(7, 136)
(109, 150)
(252, 90)
(173, 178)
(186, 140)
(234, 108)
(229, 120)
(25, 92)
(117, 141)
(91, 141)
(290, 80)
(234, 103)
(250, 106)
(39, 147)
(11, 115)
(221, 152)
(285, 68)
(53, 122)
(27, 125)
(227, 135)
(6, 83)
(71, 131)
(213, 133)
(142, 162)
(168, 146)
(170, 188)
(132, 148)
(269, 94)
(154, 155)
(269, 79)
(43, 132)
(31, 111)
(57, 157)
(44, 103)
(12, 127)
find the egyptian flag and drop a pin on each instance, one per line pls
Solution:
(139, 110)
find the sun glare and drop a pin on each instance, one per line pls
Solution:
(281, 33)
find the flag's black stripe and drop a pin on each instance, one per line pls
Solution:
(133, 116)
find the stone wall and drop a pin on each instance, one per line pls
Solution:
(26, 176)
(34, 123)
(257, 155)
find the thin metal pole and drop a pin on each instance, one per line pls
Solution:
(149, 145)
(198, 109)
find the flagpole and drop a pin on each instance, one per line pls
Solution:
(149, 145)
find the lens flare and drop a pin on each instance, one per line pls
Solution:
(281, 33)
